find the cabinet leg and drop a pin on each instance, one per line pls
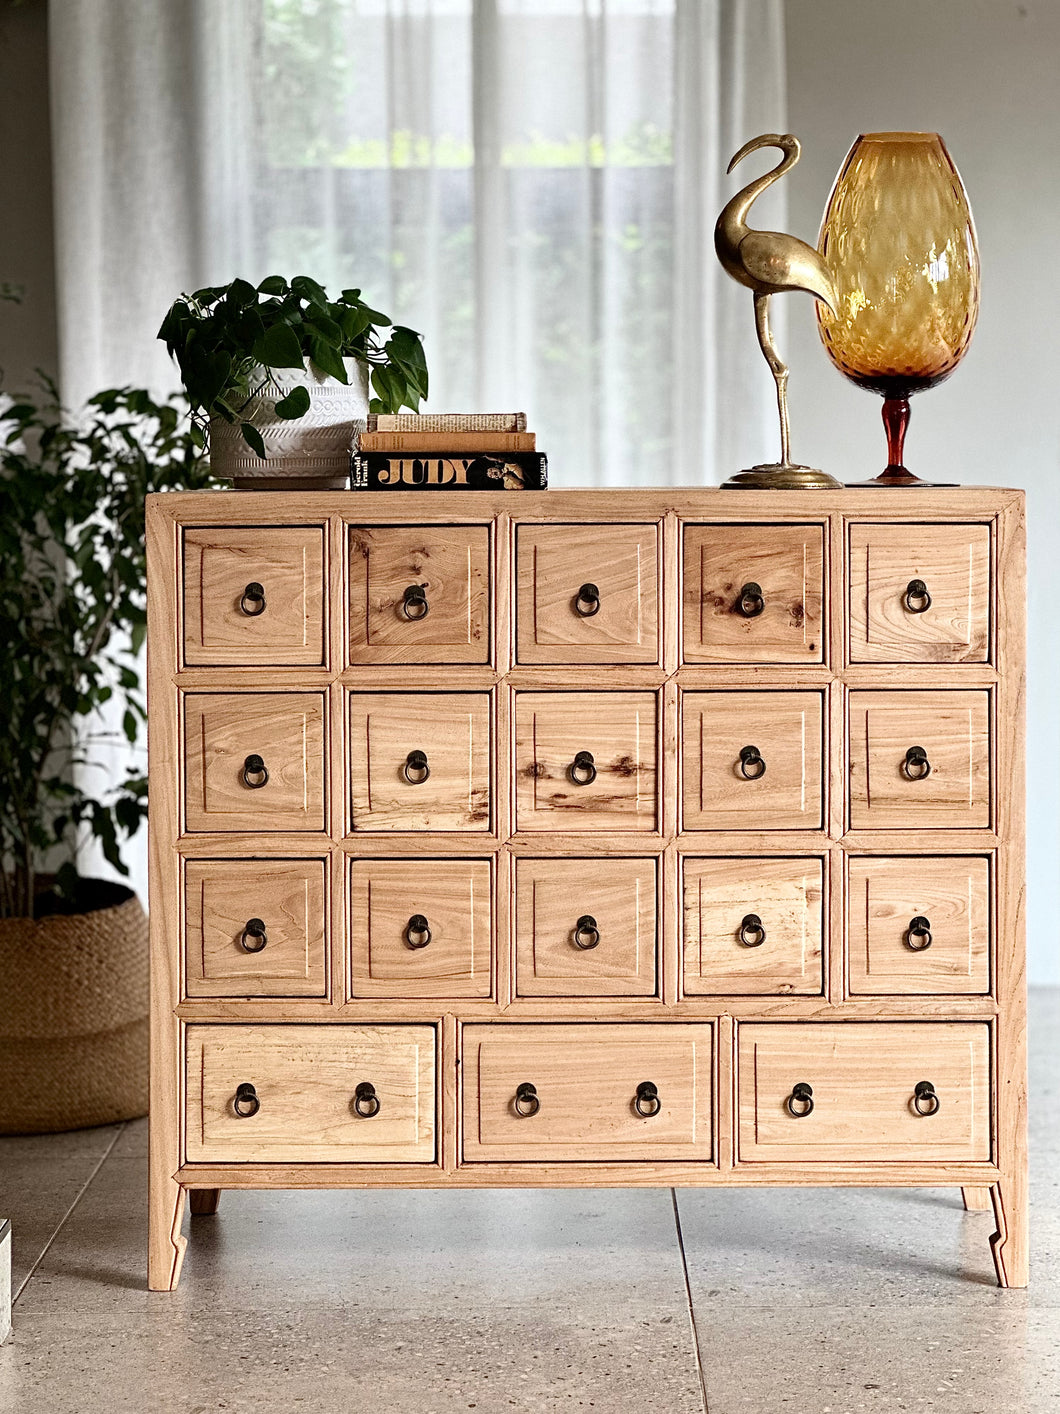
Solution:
(166, 1244)
(204, 1201)
(976, 1200)
(1009, 1244)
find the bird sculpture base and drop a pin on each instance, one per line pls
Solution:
(779, 476)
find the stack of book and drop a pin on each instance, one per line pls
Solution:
(448, 451)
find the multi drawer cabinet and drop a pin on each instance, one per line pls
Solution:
(587, 838)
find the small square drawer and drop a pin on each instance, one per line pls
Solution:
(420, 594)
(829, 1092)
(920, 760)
(255, 929)
(420, 927)
(753, 593)
(585, 927)
(752, 760)
(919, 593)
(420, 761)
(326, 1093)
(919, 925)
(587, 593)
(254, 761)
(753, 927)
(585, 760)
(605, 1092)
(254, 596)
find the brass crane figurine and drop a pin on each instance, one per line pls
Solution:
(770, 262)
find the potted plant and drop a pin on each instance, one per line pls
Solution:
(278, 377)
(73, 951)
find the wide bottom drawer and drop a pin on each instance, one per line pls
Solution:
(835, 1091)
(587, 1092)
(283, 1094)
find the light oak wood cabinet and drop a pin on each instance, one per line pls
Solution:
(661, 837)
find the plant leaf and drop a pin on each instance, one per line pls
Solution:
(328, 360)
(279, 348)
(253, 439)
(273, 285)
(295, 404)
(310, 290)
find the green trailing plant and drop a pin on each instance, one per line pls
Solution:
(227, 339)
(73, 619)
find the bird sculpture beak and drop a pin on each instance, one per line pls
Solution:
(787, 142)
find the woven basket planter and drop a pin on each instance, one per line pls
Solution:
(73, 1016)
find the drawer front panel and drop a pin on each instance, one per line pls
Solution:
(254, 596)
(420, 927)
(752, 761)
(587, 594)
(585, 927)
(919, 760)
(863, 1079)
(420, 594)
(254, 761)
(557, 788)
(753, 927)
(945, 618)
(753, 593)
(305, 1081)
(586, 1079)
(919, 925)
(446, 786)
(255, 928)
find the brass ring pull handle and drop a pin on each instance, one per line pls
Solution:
(582, 770)
(416, 769)
(365, 1100)
(916, 766)
(586, 933)
(245, 1102)
(254, 929)
(751, 601)
(916, 598)
(751, 933)
(646, 1102)
(587, 601)
(925, 1101)
(918, 934)
(417, 932)
(252, 600)
(414, 604)
(526, 1102)
(801, 1096)
(752, 766)
(255, 773)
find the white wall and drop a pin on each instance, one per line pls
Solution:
(986, 75)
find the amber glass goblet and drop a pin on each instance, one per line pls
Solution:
(899, 241)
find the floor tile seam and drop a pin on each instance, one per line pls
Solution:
(700, 1372)
(31, 1273)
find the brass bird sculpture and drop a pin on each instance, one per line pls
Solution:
(769, 263)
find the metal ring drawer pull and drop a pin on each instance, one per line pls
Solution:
(416, 769)
(752, 766)
(582, 770)
(365, 1100)
(751, 601)
(916, 598)
(916, 766)
(255, 773)
(252, 600)
(801, 1095)
(587, 601)
(246, 1102)
(646, 1102)
(924, 1095)
(417, 932)
(918, 934)
(255, 929)
(586, 929)
(751, 933)
(414, 604)
(526, 1102)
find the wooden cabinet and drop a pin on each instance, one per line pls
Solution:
(663, 837)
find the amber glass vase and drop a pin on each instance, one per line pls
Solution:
(899, 241)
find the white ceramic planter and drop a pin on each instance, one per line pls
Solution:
(310, 453)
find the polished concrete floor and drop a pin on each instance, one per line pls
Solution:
(811, 1301)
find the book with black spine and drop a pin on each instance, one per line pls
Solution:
(506, 471)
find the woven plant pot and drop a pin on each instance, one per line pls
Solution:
(73, 1016)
